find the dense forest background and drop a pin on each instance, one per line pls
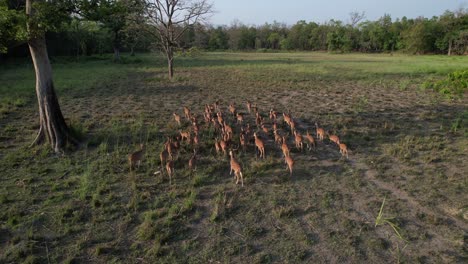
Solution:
(80, 36)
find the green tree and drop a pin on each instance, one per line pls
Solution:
(40, 17)
(113, 14)
(218, 39)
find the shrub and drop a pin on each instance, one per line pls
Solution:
(453, 86)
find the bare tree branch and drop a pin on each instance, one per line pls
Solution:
(171, 19)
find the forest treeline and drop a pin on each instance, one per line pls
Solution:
(444, 34)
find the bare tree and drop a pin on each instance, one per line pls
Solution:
(171, 18)
(356, 17)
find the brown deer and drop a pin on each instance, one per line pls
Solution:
(298, 140)
(292, 124)
(232, 109)
(223, 146)
(237, 169)
(258, 119)
(335, 139)
(227, 130)
(220, 118)
(187, 113)
(310, 140)
(240, 118)
(344, 150)
(320, 132)
(289, 164)
(277, 137)
(273, 114)
(185, 136)
(170, 148)
(259, 144)
(136, 157)
(243, 142)
(287, 118)
(192, 161)
(284, 147)
(265, 129)
(170, 170)
(217, 146)
(177, 118)
(163, 156)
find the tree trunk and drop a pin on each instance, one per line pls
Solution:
(52, 124)
(116, 46)
(170, 62)
(132, 51)
(450, 48)
(116, 54)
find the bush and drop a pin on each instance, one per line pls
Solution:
(454, 85)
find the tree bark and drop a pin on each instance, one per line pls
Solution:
(52, 124)
(116, 54)
(450, 48)
(117, 46)
(170, 62)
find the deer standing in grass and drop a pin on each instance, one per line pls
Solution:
(277, 137)
(273, 114)
(292, 124)
(335, 139)
(177, 118)
(217, 146)
(265, 129)
(310, 140)
(260, 146)
(258, 119)
(170, 170)
(136, 157)
(237, 169)
(240, 118)
(249, 106)
(320, 132)
(232, 109)
(289, 164)
(170, 148)
(243, 142)
(185, 136)
(287, 118)
(298, 140)
(223, 146)
(285, 148)
(227, 130)
(187, 113)
(344, 150)
(163, 156)
(192, 161)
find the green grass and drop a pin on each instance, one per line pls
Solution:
(87, 206)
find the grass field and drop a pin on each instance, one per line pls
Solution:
(408, 146)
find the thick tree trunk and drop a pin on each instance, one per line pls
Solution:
(52, 124)
(116, 54)
(170, 62)
(450, 48)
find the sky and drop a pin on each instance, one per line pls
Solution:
(258, 12)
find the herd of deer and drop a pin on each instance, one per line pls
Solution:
(215, 119)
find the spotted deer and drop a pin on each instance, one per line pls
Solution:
(260, 145)
(237, 169)
(135, 158)
(320, 132)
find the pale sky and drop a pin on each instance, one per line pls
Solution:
(290, 11)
